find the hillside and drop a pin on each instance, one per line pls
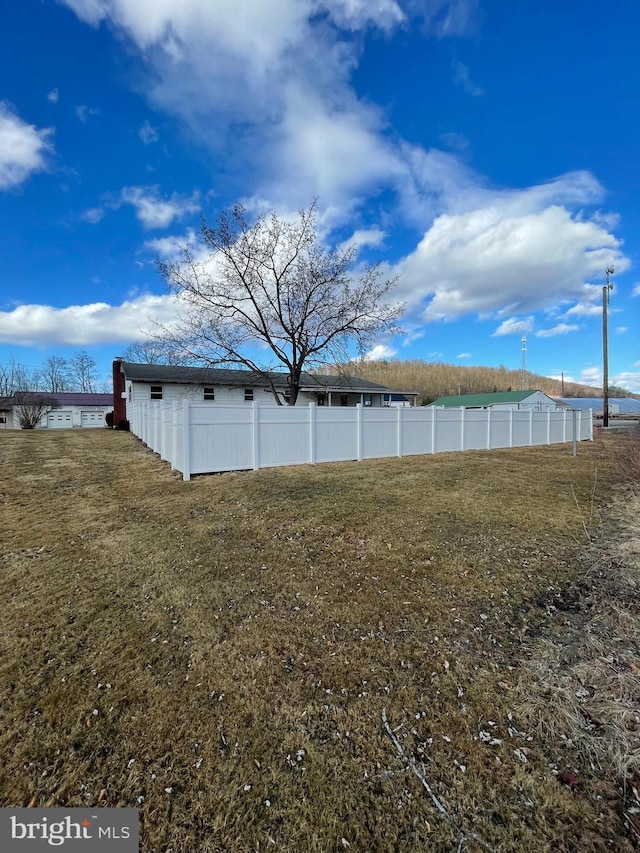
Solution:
(436, 379)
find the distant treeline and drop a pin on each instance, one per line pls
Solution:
(435, 379)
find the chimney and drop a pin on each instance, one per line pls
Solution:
(119, 403)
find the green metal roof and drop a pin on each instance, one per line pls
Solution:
(476, 400)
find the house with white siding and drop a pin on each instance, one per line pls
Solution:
(133, 383)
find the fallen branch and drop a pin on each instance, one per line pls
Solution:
(412, 765)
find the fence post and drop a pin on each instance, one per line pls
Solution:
(255, 434)
(174, 434)
(463, 424)
(590, 411)
(548, 426)
(433, 430)
(510, 427)
(564, 425)
(530, 427)
(489, 428)
(359, 434)
(186, 441)
(579, 424)
(400, 425)
(312, 433)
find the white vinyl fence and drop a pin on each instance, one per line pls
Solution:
(203, 438)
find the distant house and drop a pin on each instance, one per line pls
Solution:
(134, 383)
(534, 401)
(73, 411)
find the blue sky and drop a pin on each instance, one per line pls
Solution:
(485, 151)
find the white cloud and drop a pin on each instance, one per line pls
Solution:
(147, 133)
(156, 212)
(464, 355)
(364, 237)
(412, 334)
(83, 112)
(463, 80)
(23, 148)
(591, 376)
(92, 215)
(268, 87)
(357, 14)
(560, 329)
(173, 247)
(380, 352)
(636, 290)
(490, 259)
(85, 325)
(512, 326)
(584, 309)
(629, 380)
(53, 97)
(621, 330)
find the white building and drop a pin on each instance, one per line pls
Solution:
(72, 411)
(133, 383)
(534, 401)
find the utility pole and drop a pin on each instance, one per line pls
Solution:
(523, 378)
(605, 354)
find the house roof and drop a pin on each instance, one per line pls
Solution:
(72, 398)
(171, 374)
(478, 400)
(63, 398)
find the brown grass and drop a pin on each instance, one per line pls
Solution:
(219, 653)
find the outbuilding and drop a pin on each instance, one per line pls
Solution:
(529, 400)
(73, 410)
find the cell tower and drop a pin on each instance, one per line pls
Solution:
(523, 375)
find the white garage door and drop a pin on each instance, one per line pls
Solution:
(92, 419)
(60, 419)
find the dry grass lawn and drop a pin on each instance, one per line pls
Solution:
(219, 653)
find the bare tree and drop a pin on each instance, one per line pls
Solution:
(273, 287)
(31, 407)
(154, 351)
(55, 375)
(14, 377)
(83, 371)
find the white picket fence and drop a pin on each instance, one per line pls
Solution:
(203, 438)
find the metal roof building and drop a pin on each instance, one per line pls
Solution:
(617, 405)
(534, 400)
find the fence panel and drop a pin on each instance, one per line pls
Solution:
(220, 437)
(501, 427)
(199, 438)
(284, 435)
(416, 431)
(448, 432)
(336, 437)
(379, 433)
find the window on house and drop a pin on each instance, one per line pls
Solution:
(344, 400)
(248, 394)
(368, 400)
(209, 393)
(3, 420)
(156, 392)
(322, 399)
